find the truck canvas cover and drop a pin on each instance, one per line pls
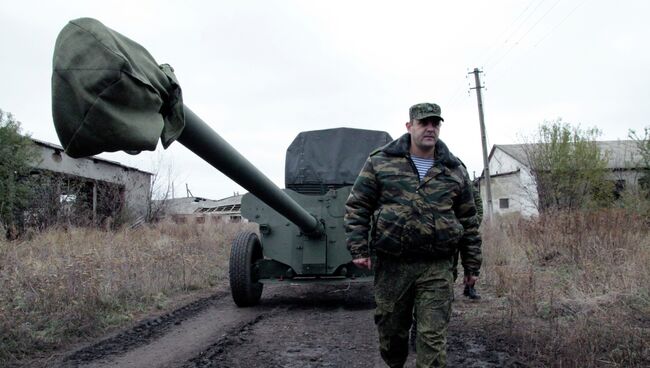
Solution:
(321, 159)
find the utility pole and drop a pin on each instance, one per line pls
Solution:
(486, 169)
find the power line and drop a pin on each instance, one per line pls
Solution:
(514, 32)
(489, 50)
(458, 92)
(560, 23)
(499, 74)
(525, 34)
(456, 95)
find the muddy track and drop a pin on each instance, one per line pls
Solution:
(142, 333)
(212, 356)
(294, 326)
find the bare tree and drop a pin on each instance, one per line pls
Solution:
(643, 145)
(162, 184)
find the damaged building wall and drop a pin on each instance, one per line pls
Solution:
(197, 209)
(98, 180)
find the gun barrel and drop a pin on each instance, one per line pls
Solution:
(109, 94)
(199, 138)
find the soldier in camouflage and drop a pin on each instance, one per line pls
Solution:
(413, 199)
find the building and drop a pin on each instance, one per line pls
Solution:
(102, 187)
(197, 209)
(513, 186)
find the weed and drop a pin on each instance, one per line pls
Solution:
(575, 285)
(69, 283)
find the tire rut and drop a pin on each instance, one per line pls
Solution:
(141, 334)
(212, 356)
(294, 326)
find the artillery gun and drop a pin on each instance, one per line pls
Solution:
(320, 168)
(109, 94)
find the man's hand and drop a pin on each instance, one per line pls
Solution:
(470, 280)
(363, 263)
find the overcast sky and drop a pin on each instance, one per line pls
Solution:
(259, 72)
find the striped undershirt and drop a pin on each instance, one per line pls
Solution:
(422, 165)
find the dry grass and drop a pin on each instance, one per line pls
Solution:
(574, 286)
(65, 284)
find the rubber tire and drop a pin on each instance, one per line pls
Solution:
(244, 285)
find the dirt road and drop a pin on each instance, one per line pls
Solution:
(294, 326)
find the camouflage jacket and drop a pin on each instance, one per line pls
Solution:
(409, 217)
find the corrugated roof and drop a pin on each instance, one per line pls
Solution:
(233, 200)
(517, 151)
(622, 154)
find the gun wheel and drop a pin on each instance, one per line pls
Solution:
(244, 279)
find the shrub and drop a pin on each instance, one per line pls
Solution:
(64, 284)
(575, 286)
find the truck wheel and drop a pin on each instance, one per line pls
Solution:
(244, 278)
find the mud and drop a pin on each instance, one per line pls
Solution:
(143, 333)
(294, 326)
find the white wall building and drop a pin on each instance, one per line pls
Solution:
(513, 186)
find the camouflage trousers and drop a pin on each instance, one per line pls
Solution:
(403, 287)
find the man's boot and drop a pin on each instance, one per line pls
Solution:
(471, 292)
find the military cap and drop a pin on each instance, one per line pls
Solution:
(425, 110)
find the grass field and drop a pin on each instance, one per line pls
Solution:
(574, 287)
(66, 284)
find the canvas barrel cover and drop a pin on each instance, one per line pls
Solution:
(330, 156)
(109, 94)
